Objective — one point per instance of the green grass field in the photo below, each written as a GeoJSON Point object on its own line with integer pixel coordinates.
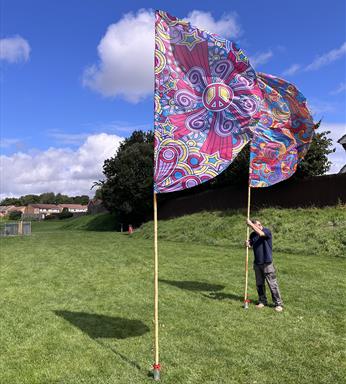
{"type": "Point", "coordinates": [77, 302]}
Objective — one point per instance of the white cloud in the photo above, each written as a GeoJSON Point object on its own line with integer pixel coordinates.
{"type": "Point", "coordinates": [7, 143]}
{"type": "Point", "coordinates": [261, 58]}
{"type": "Point", "coordinates": [338, 158]}
{"type": "Point", "coordinates": [319, 62]}
{"type": "Point", "coordinates": [57, 169]}
{"type": "Point", "coordinates": [126, 61]}
{"type": "Point", "coordinates": [341, 88]}
{"type": "Point", "coordinates": [227, 26]}
{"type": "Point", "coordinates": [327, 58]}
{"type": "Point", "coordinates": [14, 49]}
{"type": "Point", "coordinates": [294, 68]}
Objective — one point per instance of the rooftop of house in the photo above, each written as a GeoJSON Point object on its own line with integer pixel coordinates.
{"type": "Point", "coordinates": [5, 207]}
{"type": "Point", "coordinates": [95, 202]}
{"type": "Point", "coordinates": [342, 140]}
{"type": "Point", "coordinates": [73, 206]}
{"type": "Point", "coordinates": [43, 206]}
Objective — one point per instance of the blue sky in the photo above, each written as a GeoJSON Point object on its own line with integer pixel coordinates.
{"type": "Point", "coordinates": [61, 97]}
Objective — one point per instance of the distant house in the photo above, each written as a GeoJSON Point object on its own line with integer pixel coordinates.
{"type": "Point", "coordinates": [96, 206]}
{"type": "Point", "coordinates": [75, 208]}
{"type": "Point", "coordinates": [41, 210]}
{"type": "Point", "coordinates": [6, 209]}
{"type": "Point", "coordinates": [18, 209]}
{"type": "Point", "coordinates": [342, 141]}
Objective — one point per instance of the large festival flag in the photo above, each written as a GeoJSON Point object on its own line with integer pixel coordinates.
{"type": "Point", "coordinates": [283, 134]}
{"type": "Point", "coordinates": [206, 100]}
{"type": "Point", "coordinates": [281, 139]}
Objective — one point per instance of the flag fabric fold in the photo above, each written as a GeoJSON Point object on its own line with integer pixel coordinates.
{"type": "Point", "coordinates": [207, 101]}
{"type": "Point", "coordinates": [283, 134]}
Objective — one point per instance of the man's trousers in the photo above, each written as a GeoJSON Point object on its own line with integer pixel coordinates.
{"type": "Point", "coordinates": [266, 273]}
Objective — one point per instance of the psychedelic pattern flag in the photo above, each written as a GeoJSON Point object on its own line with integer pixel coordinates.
{"type": "Point", "coordinates": [207, 102]}
{"type": "Point", "coordinates": [283, 134]}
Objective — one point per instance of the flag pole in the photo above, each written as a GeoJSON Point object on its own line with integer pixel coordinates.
{"type": "Point", "coordinates": [246, 298]}
{"type": "Point", "coordinates": [156, 365]}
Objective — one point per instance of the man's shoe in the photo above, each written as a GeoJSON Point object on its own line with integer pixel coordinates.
{"type": "Point", "coordinates": [260, 306]}
{"type": "Point", "coordinates": [278, 308]}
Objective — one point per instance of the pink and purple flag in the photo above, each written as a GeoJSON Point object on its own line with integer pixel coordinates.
{"type": "Point", "coordinates": [283, 134]}
{"type": "Point", "coordinates": [207, 101]}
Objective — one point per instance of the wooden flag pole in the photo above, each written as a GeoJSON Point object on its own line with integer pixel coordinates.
{"type": "Point", "coordinates": [246, 299]}
{"type": "Point", "coordinates": [156, 366]}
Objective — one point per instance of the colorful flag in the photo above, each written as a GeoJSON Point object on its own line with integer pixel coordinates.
{"type": "Point", "coordinates": [283, 134]}
{"type": "Point", "coordinates": [206, 101]}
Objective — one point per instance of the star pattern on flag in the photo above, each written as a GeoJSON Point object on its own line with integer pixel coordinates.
{"type": "Point", "coordinates": [171, 85]}
{"type": "Point", "coordinates": [213, 159]}
{"type": "Point", "coordinates": [190, 39]}
{"type": "Point", "coordinates": [167, 128]}
{"type": "Point", "coordinates": [241, 57]}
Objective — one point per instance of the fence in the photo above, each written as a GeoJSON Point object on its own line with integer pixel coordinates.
{"type": "Point", "coordinates": [318, 191]}
{"type": "Point", "coordinates": [19, 228]}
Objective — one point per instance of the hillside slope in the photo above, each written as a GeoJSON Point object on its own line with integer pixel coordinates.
{"type": "Point", "coordinates": [307, 231]}
{"type": "Point", "coordinates": [99, 222]}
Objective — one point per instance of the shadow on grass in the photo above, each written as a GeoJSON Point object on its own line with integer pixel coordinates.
{"type": "Point", "coordinates": [99, 223]}
{"type": "Point", "coordinates": [104, 222]}
{"type": "Point", "coordinates": [212, 289]}
{"type": "Point", "coordinates": [101, 326]}
{"type": "Point", "coordinates": [224, 296]}
{"type": "Point", "coordinates": [194, 285]}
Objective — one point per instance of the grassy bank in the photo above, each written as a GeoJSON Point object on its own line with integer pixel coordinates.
{"type": "Point", "coordinates": [100, 222]}
{"type": "Point", "coordinates": [298, 231]}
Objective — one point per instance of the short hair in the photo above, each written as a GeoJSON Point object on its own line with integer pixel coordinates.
{"type": "Point", "coordinates": [254, 221]}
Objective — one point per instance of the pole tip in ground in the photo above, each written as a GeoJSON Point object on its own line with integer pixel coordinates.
{"type": "Point", "coordinates": [246, 304]}
{"type": "Point", "coordinates": [156, 372]}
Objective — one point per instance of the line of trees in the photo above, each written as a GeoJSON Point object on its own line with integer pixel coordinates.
{"type": "Point", "coordinates": [45, 198]}
{"type": "Point", "coordinates": [127, 190]}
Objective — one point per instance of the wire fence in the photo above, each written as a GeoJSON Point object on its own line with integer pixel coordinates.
{"type": "Point", "coordinates": [19, 228]}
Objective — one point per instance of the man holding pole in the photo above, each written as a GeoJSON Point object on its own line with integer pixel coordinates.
{"type": "Point", "coordinates": [261, 242]}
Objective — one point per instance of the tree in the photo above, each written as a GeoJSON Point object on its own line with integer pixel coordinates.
{"type": "Point", "coordinates": [65, 214]}
{"type": "Point", "coordinates": [83, 199]}
{"type": "Point", "coordinates": [316, 160]}
{"type": "Point", "coordinates": [15, 215]}
{"type": "Point", "coordinates": [29, 199]}
{"type": "Point", "coordinates": [47, 198]}
{"type": "Point", "coordinates": [98, 193]}
{"type": "Point", "coordinates": [128, 187]}
{"type": "Point", "coordinates": [10, 201]}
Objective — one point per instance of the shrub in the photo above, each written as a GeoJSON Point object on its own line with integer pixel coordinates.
{"type": "Point", "coordinates": [15, 215]}
{"type": "Point", "coordinates": [53, 216]}
{"type": "Point", "coordinates": [65, 214]}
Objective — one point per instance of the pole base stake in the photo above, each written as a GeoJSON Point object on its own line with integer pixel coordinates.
{"type": "Point", "coordinates": [246, 304]}
{"type": "Point", "coordinates": [156, 372]}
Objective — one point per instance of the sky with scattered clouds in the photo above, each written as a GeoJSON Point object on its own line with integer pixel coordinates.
{"type": "Point", "coordinates": [76, 76]}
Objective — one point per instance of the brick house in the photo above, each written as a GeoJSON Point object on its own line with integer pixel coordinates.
{"type": "Point", "coordinates": [41, 210]}
{"type": "Point", "coordinates": [96, 206]}
{"type": "Point", "coordinates": [6, 209]}
{"type": "Point", "coordinates": [75, 208]}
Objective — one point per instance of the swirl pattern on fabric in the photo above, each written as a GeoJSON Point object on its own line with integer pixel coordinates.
{"type": "Point", "coordinates": [283, 134]}
{"type": "Point", "coordinates": [207, 101]}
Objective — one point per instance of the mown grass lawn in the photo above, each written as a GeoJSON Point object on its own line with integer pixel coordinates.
{"type": "Point", "coordinates": [76, 307]}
